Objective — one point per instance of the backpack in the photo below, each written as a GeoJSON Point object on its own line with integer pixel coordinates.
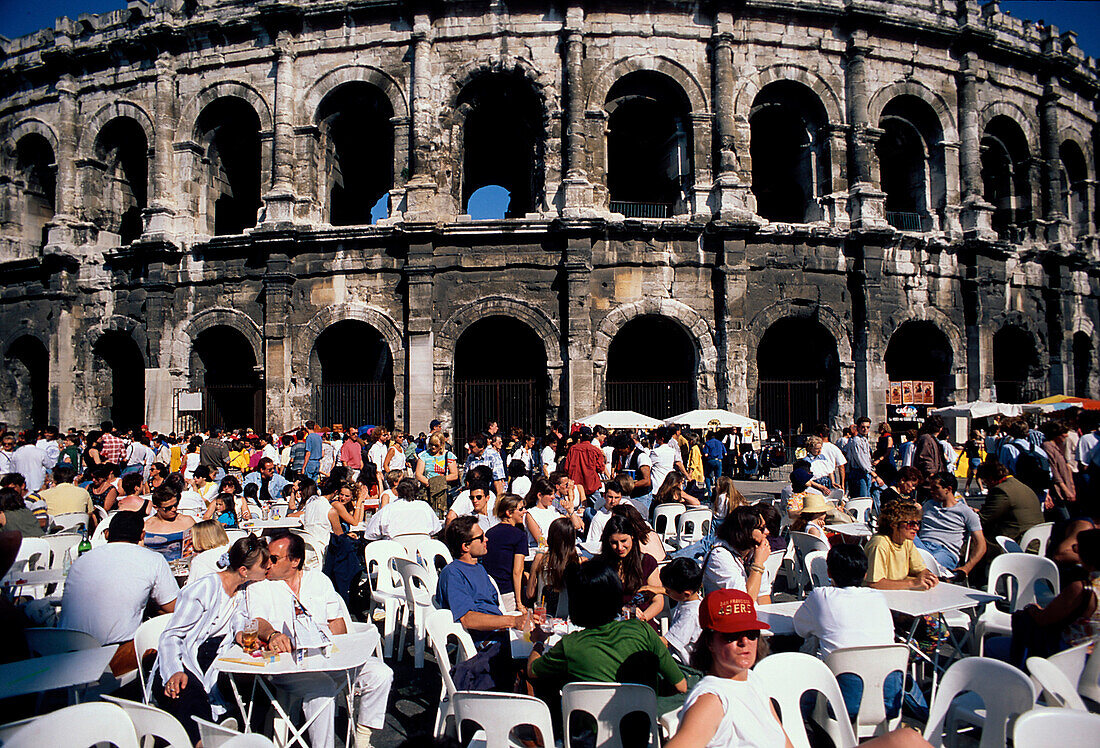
{"type": "Point", "coordinates": [1033, 468]}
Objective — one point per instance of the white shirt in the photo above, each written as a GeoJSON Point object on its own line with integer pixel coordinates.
{"type": "Point", "coordinates": [138, 454]}
{"type": "Point", "coordinates": [271, 452]}
{"type": "Point", "coordinates": [315, 519]}
{"type": "Point", "coordinates": [747, 719]}
{"type": "Point", "coordinates": [543, 517]}
{"type": "Point", "coordinates": [548, 461]}
{"type": "Point", "coordinates": [725, 571]}
{"type": "Point", "coordinates": [462, 504]}
{"type": "Point", "coordinates": [662, 460]}
{"type": "Point", "coordinates": [32, 463]}
{"type": "Point", "coordinates": [192, 504]}
{"type": "Point", "coordinates": [401, 517]}
{"type": "Point", "coordinates": [595, 528]}
{"type": "Point", "coordinates": [521, 486]}
{"type": "Point", "coordinates": [273, 601]}
{"type": "Point", "coordinates": [52, 449]}
{"type": "Point", "coordinates": [684, 629]}
{"type": "Point", "coordinates": [845, 617]}
{"type": "Point", "coordinates": [205, 562]}
{"type": "Point", "coordinates": [377, 455]}
{"type": "Point", "coordinates": [833, 454]}
{"type": "Point", "coordinates": [133, 574]}
{"type": "Point", "coordinates": [1085, 446]}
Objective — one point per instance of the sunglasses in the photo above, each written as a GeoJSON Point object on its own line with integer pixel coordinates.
{"type": "Point", "coordinates": [736, 636]}
{"type": "Point", "coordinates": [477, 537]}
{"type": "Point", "coordinates": [910, 523]}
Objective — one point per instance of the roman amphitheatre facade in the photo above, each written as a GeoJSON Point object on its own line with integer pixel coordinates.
{"type": "Point", "coordinates": [776, 207]}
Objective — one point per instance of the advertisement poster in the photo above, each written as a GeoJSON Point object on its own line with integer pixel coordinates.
{"type": "Point", "coordinates": [907, 393]}
{"type": "Point", "coordinates": [895, 394]}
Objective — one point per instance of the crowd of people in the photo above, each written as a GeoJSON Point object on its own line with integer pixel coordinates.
{"type": "Point", "coordinates": [562, 522]}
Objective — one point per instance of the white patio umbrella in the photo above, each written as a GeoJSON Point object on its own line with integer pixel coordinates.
{"type": "Point", "coordinates": [620, 419]}
{"type": "Point", "coordinates": [978, 409]}
{"type": "Point", "coordinates": [714, 418]}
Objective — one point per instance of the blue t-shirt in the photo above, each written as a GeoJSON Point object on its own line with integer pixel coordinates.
{"type": "Point", "coordinates": [464, 587]}
{"type": "Point", "coordinates": [714, 449]}
{"type": "Point", "coordinates": [505, 541]}
{"type": "Point", "coordinates": [314, 446]}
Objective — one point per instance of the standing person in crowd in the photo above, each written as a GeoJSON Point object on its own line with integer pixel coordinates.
{"type": "Point", "coordinates": [834, 456]}
{"type": "Point", "coordinates": [893, 562]}
{"type": "Point", "coordinates": [714, 451]}
{"type": "Point", "coordinates": [585, 464]}
{"type": "Point", "coordinates": [863, 479]}
{"type": "Point", "coordinates": [191, 460]}
{"type": "Point", "coordinates": [297, 457]}
{"type": "Point", "coordinates": [612, 495]}
{"type": "Point", "coordinates": [436, 466]}
{"type": "Point", "coordinates": [665, 457]}
{"type": "Point", "coordinates": [907, 448]}
{"type": "Point", "coordinates": [111, 448]}
{"type": "Point", "coordinates": [395, 455]}
{"type": "Point", "coordinates": [549, 454]}
{"type": "Point", "coordinates": [1010, 508]}
{"type": "Point", "coordinates": [632, 458]}
{"type": "Point", "coordinates": [507, 551]}
{"type": "Point", "coordinates": [973, 451]}
{"type": "Point", "coordinates": [314, 451]}
{"type": "Point", "coordinates": [214, 455]}
{"type": "Point", "coordinates": [346, 506]}
{"type": "Point", "coordinates": [946, 526]}
{"type": "Point", "coordinates": [737, 558]}
{"type": "Point", "coordinates": [549, 566]}
{"type": "Point", "coordinates": [351, 453]}
{"type": "Point", "coordinates": [31, 462]}
{"type": "Point", "coordinates": [884, 458]}
{"type": "Point", "coordinates": [540, 511]}
{"type": "Point", "coordinates": [525, 452]}
{"type": "Point", "coordinates": [621, 549]}
{"type": "Point", "coordinates": [480, 454]}
{"type": "Point", "coordinates": [1063, 493]}
{"type": "Point", "coordinates": [378, 452]}
{"type": "Point", "coordinates": [168, 532]}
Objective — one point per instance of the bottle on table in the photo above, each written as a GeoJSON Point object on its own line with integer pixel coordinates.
{"type": "Point", "coordinates": [85, 544]}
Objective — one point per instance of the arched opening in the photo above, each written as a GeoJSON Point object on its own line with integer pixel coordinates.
{"type": "Point", "coordinates": [36, 168]}
{"type": "Point", "coordinates": [790, 157]}
{"type": "Point", "coordinates": [1017, 372]}
{"type": "Point", "coordinates": [1075, 187]}
{"type": "Point", "coordinates": [919, 351]}
{"type": "Point", "coordinates": [352, 371]}
{"type": "Point", "coordinates": [120, 379]}
{"type": "Point", "coordinates": [224, 368]}
{"type": "Point", "coordinates": [500, 375]}
{"type": "Point", "coordinates": [119, 179]}
{"type": "Point", "coordinates": [28, 365]}
{"type": "Point", "coordinates": [1083, 361]}
{"type": "Point", "coordinates": [229, 134]}
{"type": "Point", "coordinates": [1005, 179]}
{"type": "Point", "coordinates": [799, 372]}
{"type": "Point", "coordinates": [652, 368]}
{"type": "Point", "coordinates": [502, 140]}
{"type": "Point", "coordinates": [357, 139]}
{"type": "Point", "coordinates": [911, 164]}
{"type": "Point", "coordinates": [649, 148]}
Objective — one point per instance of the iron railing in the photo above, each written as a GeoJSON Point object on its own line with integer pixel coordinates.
{"type": "Point", "coordinates": [509, 402]}
{"type": "Point", "coordinates": [654, 399]}
{"type": "Point", "coordinates": [909, 221]}
{"type": "Point", "coordinates": [641, 210]}
{"type": "Point", "coordinates": [793, 406]}
{"type": "Point", "coordinates": [233, 406]}
{"type": "Point", "coordinates": [353, 403]}
{"type": "Point", "coordinates": [1019, 390]}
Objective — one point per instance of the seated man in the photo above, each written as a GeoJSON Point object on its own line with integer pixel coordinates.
{"type": "Point", "coordinates": [405, 515]}
{"type": "Point", "coordinates": [270, 484]}
{"type": "Point", "coordinates": [290, 588]}
{"type": "Point", "coordinates": [1010, 508]}
{"type": "Point", "coordinates": [612, 495]}
{"type": "Point", "coordinates": [134, 575]}
{"type": "Point", "coordinates": [476, 503]}
{"type": "Point", "coordinates": [945, 525]}
{"type": "Point", "coordinates": [66, 497]}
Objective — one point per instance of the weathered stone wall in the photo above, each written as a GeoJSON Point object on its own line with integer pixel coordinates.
{"type": "Point", "coordinates": [570, 269]}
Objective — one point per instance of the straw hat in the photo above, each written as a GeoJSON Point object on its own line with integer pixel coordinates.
{"type": "Point", "coordinates": [813, 503]}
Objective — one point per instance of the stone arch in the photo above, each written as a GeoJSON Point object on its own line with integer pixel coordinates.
{"type": "Point", "coordinates": [943, 323]}
{"type": "Point", "coordinates": [189, 119]}
{"type": "Point", "coordinates": [376, 318]}
{"type": "Point", "coordinates": [32, 125]}
{"type": "Point", "coordinates": [117, 323]}
{"type": "Point", "coordinates": [1024, 322]}
{"type": "Point", "coordinates": [23, 329]}
{"type": "Point", "coordinates": [333, 79]}
{"type": "Point", "coordinates": [541, 83]}
{"type": "Point", "coordinates": [1075, 136]}
{"type": "Point", "coordinates": [214, 317]}
{"type": "Point", "coordinates": [96, 122]}
{"type": "Point", "coordinates": [884, 95]}
{"type": "Point", "coordinates": [1081, 325]}
{"type": "Point", "coordinates": [607, 77]}
{"type": "Point", "coordinates": [1037, 370]}
{"type": "Point", "coordinates": [753, 85]}
{"type": "Point", "coordinates": [1017, 114]}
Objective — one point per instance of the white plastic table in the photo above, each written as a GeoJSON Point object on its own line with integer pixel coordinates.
{"type": "Point", "coordinates": [940, 599]}
{"type": "Point", "coordinates": [780, 616]}
{"type": "Point", "coordinates": [521, 646]}
{"type": "Point", "coordinates": [66, 670]}
{"type": "Point", "coordinates": [851, 529]}
{"type": "Point", "coordinates": [33, 578]}
{"type": "Point", "coordinates": [283, 523]}
{"type": "Point", "coordinates": [349, 652]}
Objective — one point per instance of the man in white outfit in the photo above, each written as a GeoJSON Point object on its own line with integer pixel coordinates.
{"type": "Point", "coordinates": [289, 586]}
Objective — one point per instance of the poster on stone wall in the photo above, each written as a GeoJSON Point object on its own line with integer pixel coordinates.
{"type": "Point", "coordinates": [894, 397]}
{"type": "Point", "coordinates": [907, 393]}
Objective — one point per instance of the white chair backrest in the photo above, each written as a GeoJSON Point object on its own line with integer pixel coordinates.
{"type": "Point", "coordinates": [60, 544]}
{"type": "Point", "coordinates": [805, 543]}
{"type": "Point", "coordinates": [147, 637]}
{"type": "Point", "coordinates": [1039, 534]}
{"type": "Point", "coordinates": [665, 521]}
{"type": "Point", "coordinates": [79, 726]}
{"type": "Point", "coordinates": [378, 555]}
{"type": "Point", "coordinates": [860, 509]}
{"type": "Point", "coordinates": [872, 665]}
{"type": "Point", "coordinates": [1072, 661]}
{"type": "Point", "coordinates": [214, 735]}
{"type": "Point", "coordinates": [33, 554]}
{"type": "Point", "coordinates": [70, 520]}
{"type": "Point", "coordinates": [441, 627]}
{"type": "Point", "coordinates": [99, 537]}
{"type": "Point", "coordinates": [694, 525]}
{"type": "Point", "coordinates": [817, 565]}
{"type": "Point", "coordinates": [1088, 685]}
{"type": "Point", "coordinates": [1008, 545]}
{"type": "Point", "coordinates": [1022, 571]}
{"type": "Point", "coordinates": [1004, 690]}
{"type": "Point", "coordinates": [931, 563]}
{"type": "Point", "coordinates": [432, 555]}
{"type": "Point", "coordinates": [1056, 728]}
{"type": "Point", "coordinates": [1057, 688]}
{"type": "Point", "coordinates": [773, 564]}
{"type": "Point", "coordinates": [784, 677]}
{"type": "Point", "coordinates": [416, 580]}
{"type": "Point", "coordinates": [499, 713]}
{"type": "Point", "coordinates": [234, 534]}
{"type": "Point", "coordinates": [149, 721]}
{"type": "Point", "coordinates": [609, 703]}
{"type": "Point", "coordinates": [46, 641]}
{"type": "Point", "coordinates": [247, 740]}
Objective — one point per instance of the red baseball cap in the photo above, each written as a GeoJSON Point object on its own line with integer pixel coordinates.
{"type": "Point", "coordinates": [729, 611]}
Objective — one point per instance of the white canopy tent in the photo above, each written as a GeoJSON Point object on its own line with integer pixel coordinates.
{"type": "Point", "coordinates": [978, 409]}
{"type": "Point", "coordinates": [714, 418]}
{"type": "Point", "coordinates": [620, 419]}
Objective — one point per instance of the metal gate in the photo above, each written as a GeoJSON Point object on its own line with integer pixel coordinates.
{"type": "Point", "coordinates": [233, 406]}
{"type": "Point", "coordinates": [353, 403]}
{"type": "Point", "coordinates": [509, 402]}
{"type": "Point", "coordinates": [793, 406]}
{"type": "Point", "coordinates": [654, 399]}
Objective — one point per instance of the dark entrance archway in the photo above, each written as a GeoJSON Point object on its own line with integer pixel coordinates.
{"type": "Point", "coordinates": [124, 380]}
{"type": "Point", "coordinates": [652, 366]}
{"type": "Point", "coordinates": [918, 350]}
{"type": "Point", "coordinates": [224, 367]}
{"type": "Point", "coordinates": [28, 365]}
{"type": "Point", "coordinates": [1017, 375]}
{"type": "Point", "coordinates": [799, 373]}
{"type": "Point", "coordinates": [352, 370]}
{"type": "Point", "coordinates": [1083, 358]}
{"type": "Point", "coordinates": [500, 375]}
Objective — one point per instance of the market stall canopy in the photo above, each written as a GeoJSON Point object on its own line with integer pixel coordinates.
{"type": "Point", "coordinates": [620, 419]}
{"type": "Point", "coordinates": [1069, 402]}
{"type": "Point", "coordinates": [978, 409]}
{"type": "Point", "coordinates": [714, 418]}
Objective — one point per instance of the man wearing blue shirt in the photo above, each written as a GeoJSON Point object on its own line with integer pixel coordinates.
{"type": "Point", "coordinates": [713, 453]}
{"type": "Point", "coordinates": [269, 482]}
{"type": "Point", "coordinates": [480, 454]}
{"type": "Point", "coordinates": [313, 451]}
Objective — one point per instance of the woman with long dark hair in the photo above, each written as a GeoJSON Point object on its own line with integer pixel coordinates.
{"type": "Point", "coordinates": [622, 550]}
{"type": "Point", "coordinates": [550, 565]}
{"type": "Point", "coordinates": [736, 560]}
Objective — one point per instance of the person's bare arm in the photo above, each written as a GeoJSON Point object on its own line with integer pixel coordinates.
{"type": "Point", "coordinates": [978, 548]}
{"type": "Point", "coordinates": [1061, 609]}
{"type": "Point", "coordinates": [452, 471]}
{"type": "Point", "coordinates": [658, 603]}
{"type": "Point", "coordinates": [338, 626]}
{"type": "Point", "coordinates": [168, 607]}
{"type": "Point", "coordinates": [533, 577]}
{"type": "Point", "coordinates": [646, 481]}
{"type": "Point", "coordinates": [699, 724]}
{"type": "Point", "coordinates": [533, 528]}
{"type": "Point", "coordinates": [517, 579]}
{"type": "Point", "coordinates": [475, 621]}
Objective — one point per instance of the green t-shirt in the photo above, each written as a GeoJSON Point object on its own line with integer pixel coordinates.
{"type": "Point", "coordinates": [617, 652]}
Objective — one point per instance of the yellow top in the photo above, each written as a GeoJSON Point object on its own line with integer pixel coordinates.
{"type": "Point", "coordinates": [695, 465]}
{"type": "Point", "coordinates": [887, 560]}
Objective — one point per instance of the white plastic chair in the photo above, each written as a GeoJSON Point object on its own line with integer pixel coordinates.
{"type": "Point", "coordinates": [47, 641]}
{"type": "Point", "coordinates": [609, 704]}
{"type": "Point", "coordinates": [1056, 687]}
{"type": "Point", "coordinates": [665, 522]}
{"type": "Point", "coordinates": [804, 543]}
{"type": "Point", "coordinates": [1021, 572]}
{"type": "Point", "coordinates": [1056, 728]}
{"type": "Point", "coordinates": [419, 589]}
{"type": "Point", "coordinates": [151, 722]}
{"type": "Point", "coordinates": [860, 509]}
{"type": "Point", "coordinates": [33, 555]}
{"type": "Point", "coordinates": [441, 626]}
{"type": "Point", "coordinates": [497, 714]}
{"type": "Point", "coordinates": [387, 591]}
{"type": "Point", "coordinates": [774, 563]}
{"type": "Point", "coordinates": [79, 726]}
{"type": "Point", "coordinates": [247, 740]}
{"type": "Point", "coordinates": [1039, 533]}
{"type": "Point", "coordinates": [146, 638]}
{"type": "Point", "coordinates": [932, 564]}
{"type": "Point", "coordinates": [214, 735]}
{"type": "Point", "coordinates": [1003, 690]}
{"type": "Point", "coordinates": [1088, 685]}
{"type": "Point", "coordinates": [1008, 545]}
{"type": "Point", "coordinates": [61, 544]}
{"type": "Point", "coordinates": [785, 677]}
{"type": "Point", "coordinates": [430, 552]}
{"type": "Point", "coordinates": [817, 566]}
{"type": "Point", "coordinates": [99, 537]}
{"type": "Point", "coordinates": [70, 520]}
{"type": "Point", "coordinates": [694, 526]}
{"type": "Point", "coordinates": [872, 665]}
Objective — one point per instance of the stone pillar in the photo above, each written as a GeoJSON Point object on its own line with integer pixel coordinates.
{"type": "Point", "coordinates": [576, 190]}
{"type": "Point", "coordinates": [977, 215]}
{"type": "Point", "coordinates": [278, 282]}
{"type": "Point", "coordinates": [279, 200]}
{"type": "Point", "coordinates": [158, 216]}
{"type": "Point", "coordinates": [866, 201]}
{"type": "Point", "coordinates": [67, 200]}
{"type": "Point", "coordinates": [160, 380]}
{"type": "Point", "coordinates": [1059, 229]}
{"type": "Point", "coordinates": [420, 406]}
{"type": "Point", "coordinates": [582, 398]}
{"type": "Point", "coordinates": [731, 196]}
{"type": "Point", "coordinates": [835, 204]}
{"type": "Point", "coordinates": [734, 353]}
{"type": "Point", "coordinates": [420, 190]}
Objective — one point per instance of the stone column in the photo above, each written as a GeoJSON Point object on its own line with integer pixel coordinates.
{"type": "Point", "coordinates": [420, 190]}
{"type": "Point", "coordinates": [577, 321]}
{"type": "Point", "coordinates": [279, 200]}
{"type": "Point", "coordinates": [576, 190]}
{"type": "Point", "coordinates": [735, 355]}
{"type": "Point", "coordinates": [420, 406]}
{"type": "Point", "coordinates": [278, 282]}
{"type": "Point", "coordinates": [160, 380]}
{"type": "Point", "coordinates": [866, 201]}
{"type": "Point", "coordinates": [158, 216]}
{"type": "Point", "coordinates": [730, 193]}
{"type": "Point", "coordinates": [1054, 207]}
{"type": "Point", "coordinates": [977, 215]}
{"type": "Point", "coordinates": [67, 199]}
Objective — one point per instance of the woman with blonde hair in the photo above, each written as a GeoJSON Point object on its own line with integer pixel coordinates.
{"type": "Point", "coordinates": [210, 541]}
{"type": "Point", "coordinates": [726, 499]}
{"type": "Point", "coordinates": [436, 466]}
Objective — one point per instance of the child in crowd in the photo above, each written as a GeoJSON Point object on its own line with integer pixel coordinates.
{"type": "Point", "coordinates": [682, 580]}
{"type": "Point", "coordinates": [221, 509]}
{"type": "Point", "coordinates": [393, 477]}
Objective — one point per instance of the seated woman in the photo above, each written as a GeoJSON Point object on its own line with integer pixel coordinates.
{"type": "Point", "coordinates": [131, 499]}
{"type": "Point", "coordinates": [672, 492]}
{"type": "Point", "coordinates": [209, 541]}
{"type": "Point", "coordinates": [102, 489]}
{"type": "Point", "coordinates": [651, 542]}
{"type": "Point", "coordinates": [207, 616]}
{"type": "Point", "coordinates": [621, 550]}
{"type": "Point", "coordinates": [168, 532]}
{"type": "Point", "coordinates": [345, 508]}
{"type": "Point", "coordinates": [550, 566]}
{"type": "Point", "coordinates": [903, 489]}
{"type": "Point", "coordinates": [893, 562]}
{"type": "Point", "coordinates": [1062, 548]}
{"type": "Point", "coordinates": [726, 498]}
{"type": "Point", "coordinates": [736, 561]}
{"type": "Point", "coordinates": [727, 709]}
